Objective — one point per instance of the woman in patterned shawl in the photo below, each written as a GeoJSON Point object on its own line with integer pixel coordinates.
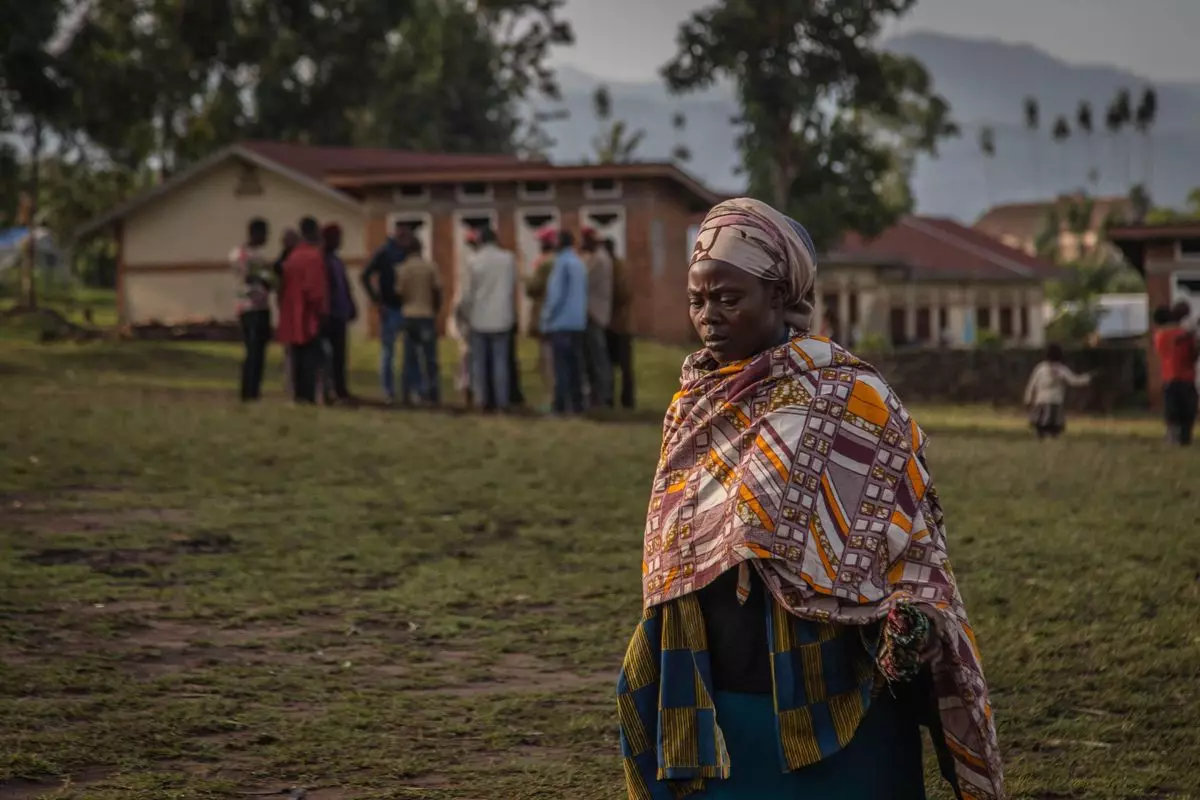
{"type": "Point", "coordinates": [801, 616]}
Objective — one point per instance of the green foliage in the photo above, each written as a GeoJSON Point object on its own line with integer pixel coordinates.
{"type": "Point", "coordinates": [873, 343]}
{"type": "Point", "coordinates": [1076, 299]}
{"type": "Point", "coordinates": [988, 339]}
{"type": "Point", "coordinates": [615, 143]}
{"type": "Point", "coordinates": [133, 90]}
{"type": "Point", "coordinates": [1189, 213]}
{"type": "Point", "coordinates": [829, 124]}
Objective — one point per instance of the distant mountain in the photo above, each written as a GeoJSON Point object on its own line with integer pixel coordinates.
{"type": "Point", "coordinates": [710, 132]}
{"type": "Point", "coordinates": [986, 82]}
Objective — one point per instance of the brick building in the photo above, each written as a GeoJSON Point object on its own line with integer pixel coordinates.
{"type": "Point", "coordinates": [174, 240]}
{"type": "Point", "coordinates": [1168, 256]}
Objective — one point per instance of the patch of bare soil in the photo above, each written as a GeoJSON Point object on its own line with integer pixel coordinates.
{"type": "Point", "coordinates": [132, 562]}
{"type": "Point", "coordinates": [23, 789]}
{"type": "Point", "coordinates": [34, 515]}
{"type": "Point", "coordinates": [115, 562]}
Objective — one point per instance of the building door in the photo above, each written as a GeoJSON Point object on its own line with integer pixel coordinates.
{"type": "Point", "coordinates": [529, 222]}
{"type": "Point", "coordinates": [609, 222]}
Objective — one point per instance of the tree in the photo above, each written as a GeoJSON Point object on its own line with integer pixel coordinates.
{"type": "Point", "coordinates": [1032, 123]}
{"type": "Point", "coordinates": [1140, 203]}
{"type": "Point", "coordinates": [32, 87]}
{"type": "Point", "coordinates": [1143, 121]}
{"type": "Point", "coordinates": [1189, 213]}
{"type": "Point", "coordinates": [817, 100]}
{"type": "Point", "coordinates": [614, 144]}
{"type": "Point", "coordinates": [1085, 125]}
{"type": "Point", "coordinates": [987, 146]}
{"type": "Point", "coordinates": [168, 81]}
{"type": "Point", "coordinates": [1116, 118]}
{"type": "Point", "coordinates": [1060, 133]}
{"type": "Point", "coordinates": [680, 152]}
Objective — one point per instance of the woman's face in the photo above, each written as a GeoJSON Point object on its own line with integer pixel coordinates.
{"type": "Point", "coordinates": [736, 314]}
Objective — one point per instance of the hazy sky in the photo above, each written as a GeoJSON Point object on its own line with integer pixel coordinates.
{"type": "Point", "coordinates": [1157, 39]}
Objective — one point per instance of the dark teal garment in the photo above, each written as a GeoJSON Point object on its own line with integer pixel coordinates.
{"type": "Point", "coordinates": [882, 761]}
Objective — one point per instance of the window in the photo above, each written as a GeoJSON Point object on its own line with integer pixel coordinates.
{"type": "Point", "coordinates": [602, 189]}
{"type": "Point", "coordinates": [410, 193]}
{"type": "Point", "coordinates": [474, 192]}
{"type": "Point", "coordinates": [854, 308]}
{"type": "Point", "coordinates": [924, 325]}
{"type": "Point", "coordinates": [536, 190]}
{"type": "Point", "coordinates": [943, 321]}
{"type": "Point", "coordinates": [1024, 315]}
{"type": "Point", "coordinates": [1006, 322]}
{"type": "Point", "coordinates": [1189, 249]}
{"type": "Point", "coordinates": [983, 318]}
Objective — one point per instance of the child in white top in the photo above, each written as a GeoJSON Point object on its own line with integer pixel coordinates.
{"type": "Point", "coordinates": [1046, 392]}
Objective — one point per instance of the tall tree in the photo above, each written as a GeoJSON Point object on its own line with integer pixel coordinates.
{"type": "Point", "coordinates": [33, 89]}
{"type": "Point", "coordinates": [1060, 133]}
{"type": "Point", "coordinates": [178, 78]}
{"type": "Point", "coordinates": [1140, 203]}
{"type": "Point", "coordinates": [1033, 115]}
{"type": "Point", "coordinates": [1118, 116]}
{"type": "Point", "coordinates": [680, 153]}
{"type": "Point", "coordinates": [1143, 121]}
{"type": "Point", "coordinates": [1085, 124]}
{"type": "Point", "coordinates": [987, 147]}
{"type": "Point", "coordinates": [615, 143]}
{"type": "Point", "coordinates": [818, 100]}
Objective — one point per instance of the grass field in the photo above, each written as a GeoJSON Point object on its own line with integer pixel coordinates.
{"type": "Point", "coordinates": [201, 600]}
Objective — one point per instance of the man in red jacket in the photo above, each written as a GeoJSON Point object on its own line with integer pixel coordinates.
{"type": "Point", "coordinates": [304, 309]}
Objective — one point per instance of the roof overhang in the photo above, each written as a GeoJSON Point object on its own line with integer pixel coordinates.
{"type": "Point", "coordinates": [199, 169]}
{"type": "Point", "coordinates": [531, 170]}
{"type": "Point", "coordinates": [1131, 240]}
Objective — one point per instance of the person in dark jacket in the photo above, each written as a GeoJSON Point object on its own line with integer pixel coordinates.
{"type": "Point", "coordinates": [342, 310]}
{"type": "Point", "coordinates": [379, 281]}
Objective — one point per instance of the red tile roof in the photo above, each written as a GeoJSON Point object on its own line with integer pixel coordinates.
{"type": "Point", "coordinates": [934, 248]}
{"type": "Point", "coordinates": [317, 162]}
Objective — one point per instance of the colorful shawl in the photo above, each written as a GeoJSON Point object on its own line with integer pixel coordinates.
{"type": "Point", "coordinates": [803, 463]}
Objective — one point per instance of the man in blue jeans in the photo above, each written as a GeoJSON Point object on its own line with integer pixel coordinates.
{"type": "Point", "coordinates": [488, 305]}
{"type": "Point", "coordinates": [564, 321]}
{"type": "Point", "coordinates": [379, 281]}
{"type": "Point", "coordinates": [419, 284]}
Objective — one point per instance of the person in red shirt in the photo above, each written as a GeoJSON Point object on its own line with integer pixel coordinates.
{"type": "Point", "coordinates": [304, 309]}
{"type": "Point", "coordinates": [1177, 353]}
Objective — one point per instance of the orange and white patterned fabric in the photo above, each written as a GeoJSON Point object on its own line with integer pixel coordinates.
{"type": "Point", "coordinates": [802, 462]}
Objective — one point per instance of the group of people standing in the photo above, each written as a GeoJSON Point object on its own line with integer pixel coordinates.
{"type": "Point", "coordinates": [316, 307]}
{"type": "Point", "coordinates": [580, 312]}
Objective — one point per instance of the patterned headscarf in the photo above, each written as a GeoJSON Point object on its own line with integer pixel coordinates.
{"type": "Point", "coordinates": [754, 237]}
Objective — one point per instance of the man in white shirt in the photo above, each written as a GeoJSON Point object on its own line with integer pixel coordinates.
{"type": "Point", "coordinates": [488, 306]}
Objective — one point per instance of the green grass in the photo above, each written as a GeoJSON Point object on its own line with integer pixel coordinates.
{"type": "Point", "coordinates": [202, 600]}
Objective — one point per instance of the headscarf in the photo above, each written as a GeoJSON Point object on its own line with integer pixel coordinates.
{"type": "Point", "coordinates": [802, 464]}
{"type": "Point", "coordinates": [752, 236]}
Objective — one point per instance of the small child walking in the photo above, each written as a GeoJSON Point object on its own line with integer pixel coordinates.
{"type": "Point", "coordinates": [1046, 392]}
